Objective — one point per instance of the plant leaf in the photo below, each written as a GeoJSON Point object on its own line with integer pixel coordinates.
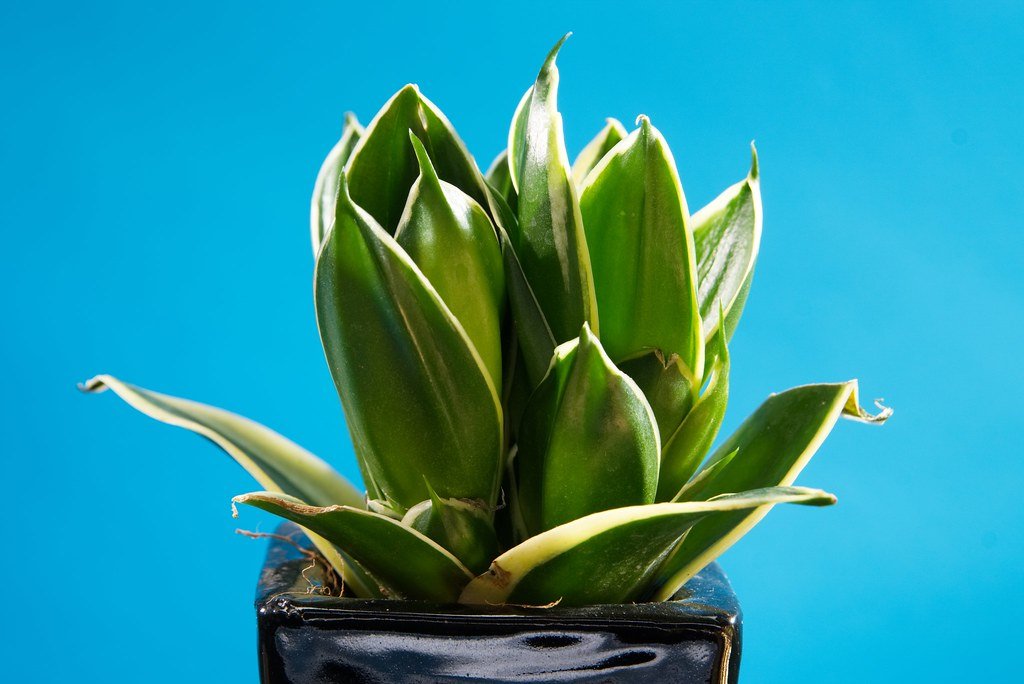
{"type": "Point", "coordinates": [668, 390]}
{"type": "Point", "coordinates": [383, 166]}
{"type": "Point", "coordinates": [773, 445]}
{"type": "Point", "coordinates": [499, 178]}
{"type": "Point", "coordinates": [708, 471]}
{"type": "Point", "coordinates": [727, 234]}
{"type": "Point", "coordinates": [452, 241]}
{"type": "Point", "coordinates": [608, 557]}
{"type": "Point", "coordinates": [461, 526]}
{"type": "Point", "coordinates": [690, 441]}
{"type": "Point", "coordinates": [273, 461]}
{"type": "Point", "coordinates": [611, 135]}
{"type": "Point", "coordinates": [426, 406]}
{"type": "Point", "coordinates": [532, 329]}
{"type": "Point", "coordinates": [551, 247]}
{"type": "Point", "coordinates": [642, 252]}
{"type": "Point", "coordinates": [587, 440]}
{"type": "Point", "coordinates": [536, 340]}
{"type": "Point", "coordinates": [407, 563]}
{"type": "Point", "coordinates": [325, 190]}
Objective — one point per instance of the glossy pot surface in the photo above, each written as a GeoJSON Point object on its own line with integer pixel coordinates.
{"type": "Point", "coordinates": [307, 638]}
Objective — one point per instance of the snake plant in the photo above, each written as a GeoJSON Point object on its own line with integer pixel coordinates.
{"type": "Point", "coordinates": [533, 363]}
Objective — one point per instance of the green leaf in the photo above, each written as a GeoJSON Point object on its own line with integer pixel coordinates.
{"type": "Point", "coordinates": [727, 234]}
{"type": "Point", "coordinates": [383, 166]}
{"type": "Point", "coordinates": [452, 241]}
{"type": "Point", "coordinates": [418, 399]}
{"type": "Point", "coordinates": [499, 177]}
{"type": "Point", "coordinates": [587, 441]}
{"type": "Point", "coordinates": [703, 475]}
{"type": "Point", "coordinates": [668, 391]}
{"type": "Point", "coordinates": [611, 135]}
{"type": "Point", "coordinates": [608, 557]}
{"type": "Point", "coordinates": [642, 253]}
{"type": "Point", "coordinates": [773, 445]}
{"type": "Point", "coordinates": [531, 326]}
{"type": "Point", "coordinates": [462, 526]}
{"type": "Point", "coordinates": [536, 340]}
{"type": "Point", "coordinates": [325, 190]}
{"type": "Point", "coordinates": [275, 462]}
{"type": "Point", "coordinates": [689, 443]}
{"type": "Point", "coordinates": [408, 564]}
{"type": "Point", "coordinates": [551, 246]}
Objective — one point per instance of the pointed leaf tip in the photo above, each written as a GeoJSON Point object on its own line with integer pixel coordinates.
{"type": "Point", "coordinates": [754, 169]}
{"type": "Point", "coordinates": [422, 158]}
{"type": "Point", "coordinates": [555, 50]}
{"type": "Point", "coordinates": [587, 441]}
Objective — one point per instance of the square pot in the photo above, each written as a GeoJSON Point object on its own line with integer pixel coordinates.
{"type": "Point", "coordinates": [306, 637]}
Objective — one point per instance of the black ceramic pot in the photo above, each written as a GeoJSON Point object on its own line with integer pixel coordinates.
{"type": "Point", "coordinates": [308, 638]}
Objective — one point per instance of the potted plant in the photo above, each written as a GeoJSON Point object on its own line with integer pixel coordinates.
{"type": "Point", "coordinates": [533, 364]}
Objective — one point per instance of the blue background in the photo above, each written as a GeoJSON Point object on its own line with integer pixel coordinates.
{"type": "Point", "coordinates": [155, 170]}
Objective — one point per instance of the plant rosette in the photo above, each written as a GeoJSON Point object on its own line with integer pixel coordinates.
{"type": "Point", "coordinates": [533, 364]}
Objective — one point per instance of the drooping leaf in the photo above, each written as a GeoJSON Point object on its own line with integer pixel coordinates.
{"type": "Point", "coordinates": [684, 450]}
{"type": "Point", "coordinates": [275, 462]}
{"type": "Point", "coordinates": [462, 526]}
{"type": "Point", "coordinates": [587, 440]}
{"type": "Point", "coordinates": [499, 177]}
{"type": "Point", "coordinates": [408, 564]}
{"type": "Point", "coordinates": [608, 557]}
{"type": "Point", "coordinates": [772, 446]}
{"type": "Point", "coordinates": [727, 234]}
{"type": "Point", "coordinates": [325, 190]}
{"type": "Point", "coordinates": [642, 252]}
{"type": "Point", "coordinates": [418, 399]}
{"type": "Point", "coordinates": [551, 246]}
{"type": "Point", "coordinates": [611, 135]}
{"type": "Point", "coordinates": [452, 241]}
{"type": "Point", "coordinates": [383, 166]}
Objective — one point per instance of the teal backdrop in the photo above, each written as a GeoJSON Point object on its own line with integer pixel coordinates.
{"type": "Point", "coordinates": [156, 162]}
